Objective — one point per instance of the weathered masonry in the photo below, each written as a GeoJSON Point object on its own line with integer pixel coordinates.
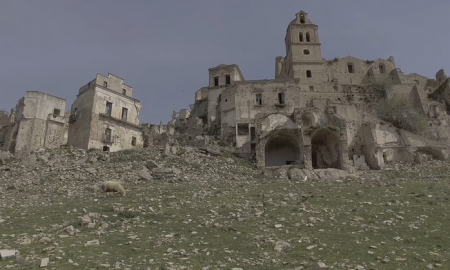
{"type": "Point", "coordinates": [314, 113]}
{"type": "Point", "coordinates": [37, 121]}
{"type": "Point", "coordinates": [105, 116]}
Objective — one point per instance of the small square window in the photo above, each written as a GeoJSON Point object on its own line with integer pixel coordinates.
{"type": "Point", "coordinates": [350, 68]}
{"type": "Point", "coordinates": [242, 129]}
{"type": "Point", "coordinates": [311, 88]}
{"type": "Point", "coordinates": [56, 111]}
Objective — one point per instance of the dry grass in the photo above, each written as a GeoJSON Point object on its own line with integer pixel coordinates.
{"type": "Point", "coordinates": [386, 220]}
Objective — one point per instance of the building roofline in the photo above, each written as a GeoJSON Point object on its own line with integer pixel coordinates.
{"type": "Point", "coordinates": [117, 93]}
{"type": "Point", "coordinates": [44, 94]}
{"type": "Point", "coordinates": [109, 90]}
{"type": "Point", "coordinates": [224, 66]}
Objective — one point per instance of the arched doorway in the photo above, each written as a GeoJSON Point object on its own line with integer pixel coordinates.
{"type": "Point", "coordinates": [281, 151]}
{"type": "Point", "coordinates": [325, 149]}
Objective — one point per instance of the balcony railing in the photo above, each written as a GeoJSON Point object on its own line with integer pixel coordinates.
{"type": "Point", "coordinates": [107, 139]}
{"type": "Point", "coordinates": [122, 120]}
{"type": "Point", "coordinates": [56, 118]}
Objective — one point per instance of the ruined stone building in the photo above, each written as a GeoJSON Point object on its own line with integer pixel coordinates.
{"type": "Point", "coordinates": [105, 116]}
{"type": "Point", "coordinates": [37, 121]}
{"type": "Point", "coordinates": [314, 112]}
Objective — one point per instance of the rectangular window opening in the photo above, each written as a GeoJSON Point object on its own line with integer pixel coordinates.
{"type": "Point", "coordinates": [216, 81]}
{"type": "Point", "coordinates": [227, 79]}
{"type": "Point", "coordinates": [108, 136]}
{"type": "Point", "coordinates": [124, 114]}
{"type": "Point", "coordinates": [108, 108]}
{"type": "Point", "coordinates": [252, 133]}
{"type": "Point", "coordinates": [253, 147]}
{"type": "Point", "coordinates": [242, 129]}
{"type": "Point", "coordinates": [133, 141]}
{"type": "Point", "coordinates": [259, 100]}
{"type": "Point", "coordinates": [124, 91]}
{"type": "Point", "coordinates": [350, 68]}
{"type": "Point", "coordinates": [281, 98]}
{"type": "Point", "coordinates": [56, 111]}
{"type": "Point", "coordinates": [105, 84]}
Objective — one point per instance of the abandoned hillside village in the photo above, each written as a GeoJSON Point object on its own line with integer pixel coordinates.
{"type": "Point", "coordinates": [315, 114]}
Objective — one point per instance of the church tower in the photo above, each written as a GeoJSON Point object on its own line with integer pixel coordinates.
{"type": "Point", "coordinates": [302, 47]}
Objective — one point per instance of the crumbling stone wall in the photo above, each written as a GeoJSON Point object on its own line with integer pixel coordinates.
{"type": "Point", "coordinates": [37, 121]}
{"type": "Point", "coordinates": [4, 118]}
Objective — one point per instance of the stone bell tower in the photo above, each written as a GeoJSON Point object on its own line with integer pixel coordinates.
{"type": "Point", "coordinates": [302, 46]}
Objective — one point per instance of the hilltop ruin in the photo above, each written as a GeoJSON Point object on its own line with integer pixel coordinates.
{"type": "Point", "coordinates": [315, 114]}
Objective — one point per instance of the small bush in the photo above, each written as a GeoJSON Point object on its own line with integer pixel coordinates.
{"type": "Point", "coordinates": [309, 131]}
{"type": "Point", "coordinates": [380, 87]}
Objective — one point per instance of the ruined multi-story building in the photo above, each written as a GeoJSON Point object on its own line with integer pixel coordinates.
{"type": "Point", "coordinates": [105, 116]}
{"type": "Point", "coordinates": [37, 121]}
{"type": "Point", "coordinates": [314, 112]}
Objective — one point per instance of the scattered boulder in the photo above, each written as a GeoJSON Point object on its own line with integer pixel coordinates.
{"type": "Point", "coordinates": [281, 246]}
{"type": "Point", "coordinates": [151, 164]}
{"type": "Point", "coordinates": [7, 253]}
{"type": "Point", "coordinates": [144, 174]}
{"type": "Point", "coordinates": [320, 266]}
{"type": "Point", "coordinates": [331, 174]}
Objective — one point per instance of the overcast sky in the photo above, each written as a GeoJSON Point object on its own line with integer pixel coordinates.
{"type": "Point", "coordinates": [163, 49]}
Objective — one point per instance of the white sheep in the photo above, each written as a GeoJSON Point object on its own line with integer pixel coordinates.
{"type": "Point", "coordinates": [112, 186]}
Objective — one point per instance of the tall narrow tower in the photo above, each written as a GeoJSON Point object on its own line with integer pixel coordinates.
{"type": "Point", "coordinates": [302, 45]}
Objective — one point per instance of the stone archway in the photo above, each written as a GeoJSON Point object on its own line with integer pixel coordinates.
{"type": "Point", "coordinates": [281, 150]}
{"type": "Point", "coordinates": [326, 150]}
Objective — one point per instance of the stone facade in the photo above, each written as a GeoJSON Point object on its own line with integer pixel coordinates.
{"type": "Point", "coordinates": [105, 116]}
{"type": "Point", "coordinates": [314, 113]}
{"type": "Point", "coordinates": [37, 121]}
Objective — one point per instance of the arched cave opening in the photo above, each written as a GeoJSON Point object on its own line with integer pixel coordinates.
{"type": "Point", "coordinates": [325, 149]}
{"type": "Point", "coordinates": [281, 151]}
